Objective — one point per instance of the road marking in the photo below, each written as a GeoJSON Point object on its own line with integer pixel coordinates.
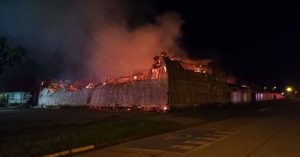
{"type": "Point", "coordinates": [185, 141]}
{"type": "Point", "coordinates": [182, 147]}
{"type": "Point", "coordinates": [205, 145]}
{"type": "Point", "coordinates": [217, 135]}
{"type": "Point", "coordinates": [175, 146]}
{"type": "Point", "coordinates": [206, 138]}
{"type": "Point", "coordinates": [265, 109]}
{"type": "Point", "coordinates": [81, 149]}
{"type": "Point", "coordinates": [141, 149]}
{"type": "Point", "coordinates": [196, 142]}
{"type": "Point", "coordinates": [177, 136]}
{"type": "Point", "coordinates": [224, 132]}
{"type": "Point", "coordinates": [62, 153]}
{"type": "Point", "coordinates": [74, 150]}
{"type": "Point", "coordinates": [188, 141]}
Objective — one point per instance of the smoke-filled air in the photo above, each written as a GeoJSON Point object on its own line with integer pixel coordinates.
{"type": "Point", "coordinates": [85, 39]}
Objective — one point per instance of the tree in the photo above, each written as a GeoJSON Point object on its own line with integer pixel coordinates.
{"type": "Point", "coordinates": [3, 100]}
{"type": "Point", "coordinates": [10, 55]}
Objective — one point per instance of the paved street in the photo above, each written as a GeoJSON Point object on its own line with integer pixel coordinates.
{"type": "Point", "coordinates": [272, 131]}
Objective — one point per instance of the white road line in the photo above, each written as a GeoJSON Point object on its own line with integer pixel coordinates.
{"type": "Point", "coordinates": [177, 136]}
{"type": "Point", "coordinates": [188, 142]}
{"type": "Point", "coordinates": [205, 145]}
{"type": "Point", "coordinates": [216, 135]}
{"type": "Point", "coordinates": [184, 147]}
{"type": "Point", "coordinates": [206, 138]}
{"type": "Point", "coordinates": [200, 142]}
{"type": "Point", "coordinates": [224, 132]}
{"type": "Point", "coordinates": [265, 109]}
{"type": "Point", "coordinates": [196, 142]}
{"type": "Point", "coordinates": [175, 146]}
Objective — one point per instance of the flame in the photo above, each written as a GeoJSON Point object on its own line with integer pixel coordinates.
{"type": "Point", "coordinates": [134, 77]}
{"type": "Point", "coordinates": [68, 85]}
{"type": "Point", "coordinates": [158, 71]}
{"type": "Point", "coordinates": [90, 85]}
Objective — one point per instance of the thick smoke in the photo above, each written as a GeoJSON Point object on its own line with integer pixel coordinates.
{"type": "Point", "coordinates": [116, 50]}
{"type": "Point", "coordinates": [84, 39]}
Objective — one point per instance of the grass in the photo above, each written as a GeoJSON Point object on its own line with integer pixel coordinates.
{"type": "Point", "coordinates": [76, 135]}
{"type": "Point", "coordinates": [36, 132]}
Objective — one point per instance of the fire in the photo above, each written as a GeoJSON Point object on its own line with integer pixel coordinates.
{"type": "Point", "coordinates": [90, 85]}
{"type": "Point", "coordinates": [66, 85]}
{"type": "Point", "coordinates": [157, 71]}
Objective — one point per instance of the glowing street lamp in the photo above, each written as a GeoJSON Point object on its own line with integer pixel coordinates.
{"type": "Point", "coordinates": [289, 89]}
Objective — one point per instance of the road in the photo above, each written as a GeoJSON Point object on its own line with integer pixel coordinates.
{"type": "Point", "coordinates": [272, 132]}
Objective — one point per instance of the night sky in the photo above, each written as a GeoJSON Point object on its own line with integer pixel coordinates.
{"type": "Point", "coordinates": [258, 42]}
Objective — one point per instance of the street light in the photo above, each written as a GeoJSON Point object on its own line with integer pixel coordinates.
{"type": "Point", "coordinates": [289, 89]}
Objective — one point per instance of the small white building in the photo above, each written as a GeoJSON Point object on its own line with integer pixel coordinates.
{"type": "Point", "coordinates": [15, 98]}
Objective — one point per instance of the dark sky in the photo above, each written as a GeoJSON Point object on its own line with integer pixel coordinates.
{"type": "Point", "coordinates": [258, 42]}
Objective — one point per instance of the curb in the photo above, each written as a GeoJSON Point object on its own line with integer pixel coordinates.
{"type": "Point", "coordinates": [71, 151]}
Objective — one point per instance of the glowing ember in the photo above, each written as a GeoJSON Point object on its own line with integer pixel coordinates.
{"type": "Point", "coordinates": [90, 86]}
{"type": "Point", "coordinates": [66, 85]}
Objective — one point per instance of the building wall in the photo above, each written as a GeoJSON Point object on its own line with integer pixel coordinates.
{"type": "Point", "coordinates": [187, 87]}
{"type": "Point", "coordinates": [268, 96]}
{"type": "Point", "coordinates": [173, 86]}
{"type": "Point", "coordinates": [17, 98]}
{"type": "Point", "coordinates": [238, 97]}
{"type": "Point", "coordinates": [63, 97]}
{"type": "Point", "coordinates": [144, 93]}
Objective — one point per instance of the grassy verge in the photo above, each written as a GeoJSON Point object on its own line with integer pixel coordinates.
{"type": "Point", "coordinates": [75, 135]}
{"type": "Point", "coordinates": [35, 132]}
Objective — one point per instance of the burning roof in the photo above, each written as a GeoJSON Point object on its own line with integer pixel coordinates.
{"type": "Point", "coordinates": [55, 85]}
{"type": "Point", "coordinates": [157, 71]}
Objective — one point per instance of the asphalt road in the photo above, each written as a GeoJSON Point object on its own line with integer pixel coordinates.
{"type": "Point", "coordinates": [271, 132]}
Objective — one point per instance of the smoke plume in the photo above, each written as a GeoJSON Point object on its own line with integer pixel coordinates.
{"type": "Point", "coordinates": [75, 39]}
{"type": "Point", "coordinates": [116, 50]}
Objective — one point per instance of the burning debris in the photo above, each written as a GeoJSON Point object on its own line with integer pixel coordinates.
{"type": "Point", "coordinates": [158, 71]}
{"type": "Point", "coordinates": [170, 83]}
{"type": "Point", "coordinates": [67, 85]}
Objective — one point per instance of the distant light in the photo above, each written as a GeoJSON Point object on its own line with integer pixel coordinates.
{"type": "Point", "coordinates": [165, 108]}
{"type": "Point", "coordinates": [265, 88]}
{"type": "Point", "coordinates": [274, 88]}
{"type": "Point", "coordinates": [282, 93]}
{"type": "Point", "coordinates": [289, 89]}
{"type": "Point", "coordinates": [165, 69]}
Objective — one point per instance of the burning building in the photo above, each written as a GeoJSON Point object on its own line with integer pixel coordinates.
{"type": "Point", "coordinates": [170, 83]}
